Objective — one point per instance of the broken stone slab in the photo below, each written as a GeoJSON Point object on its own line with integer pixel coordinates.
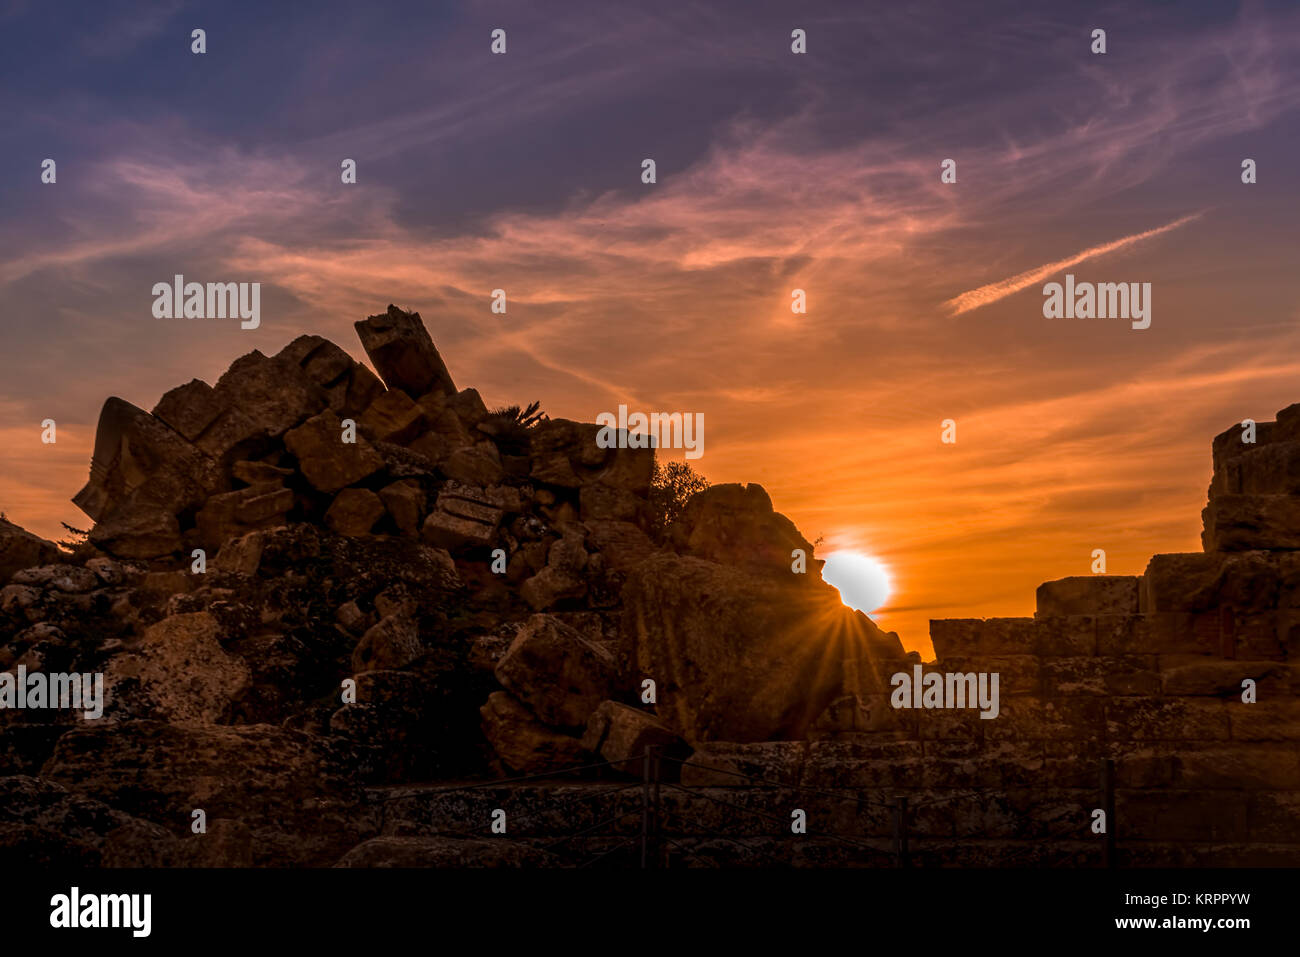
{"type": "Point", "coordinates": [274, 393]}
{"type": "Point", "coordinates": [621, 734]}
{"type": "Point", "coordinates": [136, 452]}
{"type": "Point", "coordinates": [468, 406]}
{"type": "Point", "coordinates": [328, 462]}
{"type": "Point", "coordinates": [404, 501]}
{"type": "Point", "coordinates": [463, 517]}
{"type": "Point", "coordinates": [236, 513]}
{"type": "Point", "coordinates": [403, 353]}
{"type": "Point", "coordinates": [392, 417]}
{"type": "Point", "coordinates": [557, 672]}
{"type": "Point", "coordinates": [256, 399]}
{"type": "Point", "coordinates": [563, 577]}
{"type": "Point", "coordinates": [1088, 595]}
{"type": "Point", "coordinates": [138, 528]}
{"type": "Point", "coordinates": [554, 444]}
{"type": "Point", "coordinates": [323, 362]}
{"type": "Point", "coordinates": [243, 555]}
{"type": "Point", "coordinates": [189, 408]}
{"type": "Point", "coordinates": [21, 549]}
{"type": "Point", "coordinates": [478, 464]}
{"type": "Point", "coordinates": [354, 511]}
{"type": "Point", "coordinates": [523, 743]}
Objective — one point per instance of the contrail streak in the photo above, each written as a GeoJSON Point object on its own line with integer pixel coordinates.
{"type": "Point", "coordinates": [1005, 287]}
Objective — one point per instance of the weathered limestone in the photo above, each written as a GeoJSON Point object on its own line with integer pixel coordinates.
{"type": "Point", "coordinates": [233, 514]}
{"type": "Point", "coordinates": [559, 674]}
{"type": "Point", "coordinates": [179, 672]}
{"type": "Point", "coordinates": [354, 511]}
{"type": "Point", "coordinates": [736, 525]}
{"type": "Point", "coordinates": [524, 744]}
{"type": "Point", "coordinates": [403, 354]}
{"type": "Point", "coordinates": [739, 656]}
{"type": "Point", "coordinates": [328, 462]}
{"type": "Point", "coordinates": [463, 517]}
{"type": "Point", "coordinates": [1089, 595]}
{"type": "Point", "coordinates": [20, 549]}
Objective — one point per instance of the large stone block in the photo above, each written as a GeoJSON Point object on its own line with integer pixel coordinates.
{"type": "Point", "coordinates": [557, 672]}
{"type": "Point", "coordinates": [1243, 522]}
{"type": "Point", "coordinates": [139, 462]}
{"type": "Point", "coordinates": [273, 393]}
{"type": "Point", "coordinates": [736, 525]}
{"type": "Point", "coordinates": [392, 417]}
{"type": "Point", "coordinates": [523, 743]}
{"type": "Point", "coordinates": [179, 672]}
{"type": "Point", "coordinates": [1088, 595]}
{"type": "Point", "coordinates": [328, 462]}
{"type": "Point", "coordinates": [739, 656]}
{"type": "Point", "coordinates": [1185, 582]}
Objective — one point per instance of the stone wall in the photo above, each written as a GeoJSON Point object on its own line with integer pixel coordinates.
{"type": "Point", "coordinates": [1145, 672]}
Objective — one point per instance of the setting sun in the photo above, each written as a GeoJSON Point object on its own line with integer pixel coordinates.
{"type": "Point", "coordinates": [863, 581]}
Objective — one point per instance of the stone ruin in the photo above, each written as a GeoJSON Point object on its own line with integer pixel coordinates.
{"type": "Point", "coordinates": [494, 597]}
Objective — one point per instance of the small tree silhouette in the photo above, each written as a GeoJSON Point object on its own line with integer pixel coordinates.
{"type": "Point", "coordinates": [511, 426]}
{"type": "Point", "coordinates": [78, 538]}
{"type": "Point", "coordinates": [671, 487]}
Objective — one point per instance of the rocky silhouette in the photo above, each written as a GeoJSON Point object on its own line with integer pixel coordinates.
{"type": "Point", "coordinates": [318, 596]}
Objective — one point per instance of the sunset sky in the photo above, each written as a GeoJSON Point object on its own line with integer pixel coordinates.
{"type": "Point", "coordinates": [776, 171]}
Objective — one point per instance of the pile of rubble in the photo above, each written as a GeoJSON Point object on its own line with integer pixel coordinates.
{"type": "Point", "coordinates": [309, 578]}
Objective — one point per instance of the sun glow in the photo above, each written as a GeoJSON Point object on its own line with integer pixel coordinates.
{"type": "Point", "coordinates": [863, 581]}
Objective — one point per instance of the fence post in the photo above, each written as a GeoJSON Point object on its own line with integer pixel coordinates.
{"type": "Point", "coordinates": [656, 823]}
{"type": "Point", "coordinates": [1108, 805]}
{"type": "Point", "coordinates": [900, 833]}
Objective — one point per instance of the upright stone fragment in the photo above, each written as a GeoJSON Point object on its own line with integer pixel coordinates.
{"type": "Point", "coordinates": [403, 353]}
